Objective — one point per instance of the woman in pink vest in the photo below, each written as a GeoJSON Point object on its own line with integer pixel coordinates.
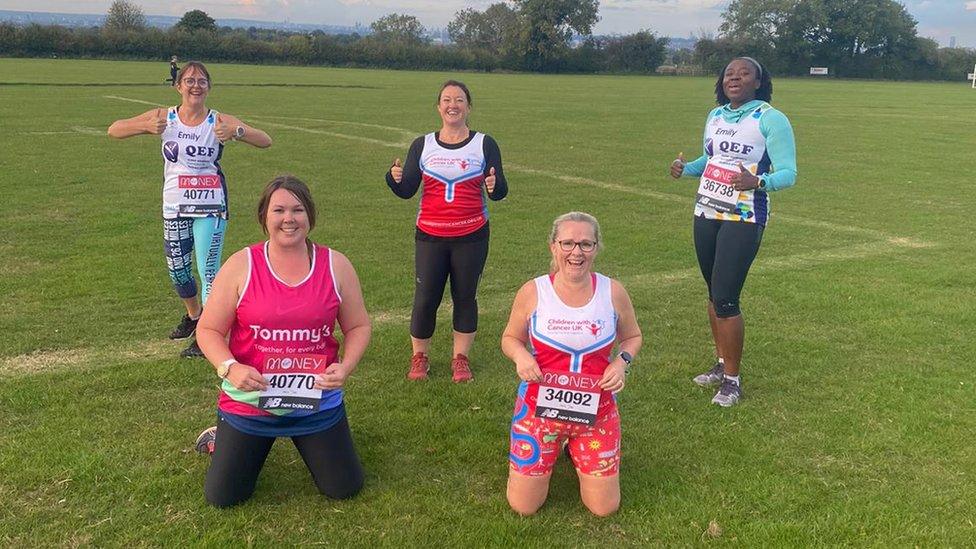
{"type": "Point", "coordinates": [269, 329]}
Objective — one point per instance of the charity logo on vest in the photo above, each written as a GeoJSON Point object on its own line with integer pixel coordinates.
{"type": "Point", "coordinates": [171, 151]}
{"type": "Point", "coordinates": [563, 326]}
{"type": "Point", "coordinates": [273, 335]}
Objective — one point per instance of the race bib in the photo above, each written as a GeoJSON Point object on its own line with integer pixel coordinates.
{"type": "Point", "coordinates": [569, 397]}
{"type": "Point", "coordinates": [290, 380]}
{"type": "Point", "coordinates": [715, 190]}
{"type": "Point", "coordinates": [200, 195]}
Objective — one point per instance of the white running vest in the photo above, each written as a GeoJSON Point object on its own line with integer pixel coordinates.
{"type": "Point", "coordinates": [193, 185]}
{"type": "Point", "coordinates": [727, 145]}
{"type": "Point", "coordinates": [561, 334]}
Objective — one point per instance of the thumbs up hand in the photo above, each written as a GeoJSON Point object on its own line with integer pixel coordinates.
{"type": "Point", "coordinates": [744, 180]}
{"type": "Point", "coordinates": [678, 166]}
{"type": "Point", "coordinates": [490, 180]}
{"type": "Point", "coordinates": [156, 122]}
{"type": "Point", "coordinates": [396, 171]}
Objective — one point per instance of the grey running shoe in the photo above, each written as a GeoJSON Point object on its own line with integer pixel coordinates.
{"type": "Point", "coordinates": [184, 329]}
{"type": "Point", "coordinates": [711, 377]}
{"type": "Point", "coordinates": [728, 394]}
{"type": "Point", "coordinates": [206, 440]}
{"type": "Point", "coordinates": [193, 351]}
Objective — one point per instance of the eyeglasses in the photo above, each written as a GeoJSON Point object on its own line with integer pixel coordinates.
{"type": "Point", "coordinates": [202, 82]}
{"type": "Point", "coordinates": [584, 245]}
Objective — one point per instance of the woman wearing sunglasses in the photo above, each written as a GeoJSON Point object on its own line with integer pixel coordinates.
{"type": "Point", "coordinates": [561, 336]}
{"type": "Point", "coordinates": [194, 187]}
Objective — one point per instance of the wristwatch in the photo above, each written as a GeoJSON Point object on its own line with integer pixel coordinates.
{"type": "Point", "coordinates": [239, 132]}
{"type": "Point", "coordinates": [627, 358]}
{"type": "Point", "coordinates": [224, 368]}
{"type": "Point", "coordinates": [762, 183]}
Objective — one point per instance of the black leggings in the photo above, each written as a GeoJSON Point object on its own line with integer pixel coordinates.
{"type": "Point", "coordinates": [435, 260]}
{"type": "Point", "coordinates": [238, 458]}
{"type": "Point", "coordinates": [725, 252]}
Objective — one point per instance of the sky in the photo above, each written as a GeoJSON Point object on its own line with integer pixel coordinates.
{"type": "Point", "coordinates": [938, 19]}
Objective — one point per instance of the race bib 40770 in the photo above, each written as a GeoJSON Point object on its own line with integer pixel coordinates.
{"type": "Point", "coordinates": [290, 382]}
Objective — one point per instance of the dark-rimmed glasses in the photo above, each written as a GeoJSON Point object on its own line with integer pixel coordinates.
{"type": "Point", "coordinates": [584, 245]}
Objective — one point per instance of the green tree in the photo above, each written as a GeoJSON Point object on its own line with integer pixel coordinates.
{"type": "Point", "coordinates": [639, 52]}
{"type": "Point", "coordinates": [399, 29]}
{"type": "Point", "coordinates": [196, 20]}
{"type": "Point", "coordinates": [856, 37]}
{"type": "Point", "coordinates": [124, 16]}
{"type": "Point", "coordinates": [495, 30]}
{"type": "Point", "coordinates": [549, 26]}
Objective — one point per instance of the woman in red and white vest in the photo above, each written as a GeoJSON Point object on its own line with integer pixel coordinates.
{"type": "Point", "coordinates": [458, 170]}
{"type": "Point", "coordinates": [269, 329]}
{"type": "Point", "coordinates": [561, 336]}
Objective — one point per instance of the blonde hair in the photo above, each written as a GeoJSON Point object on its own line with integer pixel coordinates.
{"type": "Point", "coordinates": [581, 217]}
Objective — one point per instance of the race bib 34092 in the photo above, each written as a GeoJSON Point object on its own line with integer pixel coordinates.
{"type": "Point", "coordinates": [569, 397]}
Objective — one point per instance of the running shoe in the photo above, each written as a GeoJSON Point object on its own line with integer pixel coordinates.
{"type": "Point", "coordinates": [206, 440]}
{"type": "Point", "coordinates": [711, 377]}
{"type": "Point", "coordinates": [728, 394]}
{"type": "Point", "coordinates": [461, 369]}
{"type": "Point", "coordinates": [184, 329]}
{"type": "Point", "coordinates": [419, 366]}
{"type": "Point", "coordinates": [193, 351]}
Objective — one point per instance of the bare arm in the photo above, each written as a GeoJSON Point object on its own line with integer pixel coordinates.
{"type": "Point", "coordinates": [227, 125]}
{"type": "Point", "coordinates": [219, 315]}
{"type": "Point", "coordinates": [149, 122]}
{"type": "Point", "coordinates": [629, 338]}
{"type": "Point", "coordinates": [516, 334]}
{"type": "Point", "coordinates": [353, 320]}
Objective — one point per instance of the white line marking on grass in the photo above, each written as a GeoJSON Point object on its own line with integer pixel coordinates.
{"type": "Point", "coordinates": [339, 135]}
{"type": "Point", "coordinates": [131, 100]}
{"type": "Point", "coordinates": [900, 241]}
{"type": "Point", "coordinates": [408, 133]}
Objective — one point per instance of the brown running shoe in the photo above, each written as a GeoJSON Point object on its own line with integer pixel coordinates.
{"type": "Point", "coordinates": [461, 368]}
{"type": "Point", "coordinates": [419, 366]}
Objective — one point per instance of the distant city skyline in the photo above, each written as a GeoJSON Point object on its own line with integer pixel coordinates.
{"type": "Point", "coordinates": [941, 20]}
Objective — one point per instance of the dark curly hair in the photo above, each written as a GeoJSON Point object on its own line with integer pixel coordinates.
{"type": "Point", "coordinates": [765, 91]}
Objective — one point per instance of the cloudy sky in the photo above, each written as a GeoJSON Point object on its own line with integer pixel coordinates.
{"type": "Point", "coordinates": [938, 19]}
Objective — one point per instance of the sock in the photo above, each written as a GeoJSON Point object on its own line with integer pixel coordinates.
{"type": "Point", "coordinates": [195, 317]}
{"type": "Point", "coordinates": [733, 379]}
{"type": "Point", "coordinates": [721, 361]}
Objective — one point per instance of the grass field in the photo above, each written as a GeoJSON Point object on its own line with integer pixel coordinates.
{"type": "Point", "coordinates": [859, 421]}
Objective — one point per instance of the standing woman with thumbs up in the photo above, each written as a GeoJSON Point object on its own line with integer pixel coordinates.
{"type": "Point", "coordinates": [457, 168]}
{"type": "Point", "coordinates": [194, 187]}
{"type": "Point", "coordinates": [749, 152]}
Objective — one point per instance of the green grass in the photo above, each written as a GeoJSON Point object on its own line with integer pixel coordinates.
{"type": "Point", "coordinates": [858, 424]}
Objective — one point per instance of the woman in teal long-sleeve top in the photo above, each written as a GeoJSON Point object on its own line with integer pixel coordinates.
{"type": "Point", "coordinates": [749, 152]}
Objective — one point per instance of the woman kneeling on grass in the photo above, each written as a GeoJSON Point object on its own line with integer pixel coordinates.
{"type": "Point", "coordinates": [282, 374]}
{"type": "Point", "coordinates": [571, 318]}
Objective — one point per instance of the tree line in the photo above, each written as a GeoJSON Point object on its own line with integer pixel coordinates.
{"type": "Point", "coordinates": [524, 35]}
{"type": "Point", "coordinates": [853, 38]}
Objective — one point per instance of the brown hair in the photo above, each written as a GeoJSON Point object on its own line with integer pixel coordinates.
{"type": "Point", "coordinates": [459, 84]}
{"type": "Point", "coordinates": [194, 65]}
{"type": "Point", "coordinates": [293, 185]}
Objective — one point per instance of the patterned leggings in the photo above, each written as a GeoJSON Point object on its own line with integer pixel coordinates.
{"type": "Point", "coordinates": [186, 238]}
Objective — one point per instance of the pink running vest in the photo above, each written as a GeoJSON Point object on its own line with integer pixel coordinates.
{"type": "Point", "coordinates": [274, 318]}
